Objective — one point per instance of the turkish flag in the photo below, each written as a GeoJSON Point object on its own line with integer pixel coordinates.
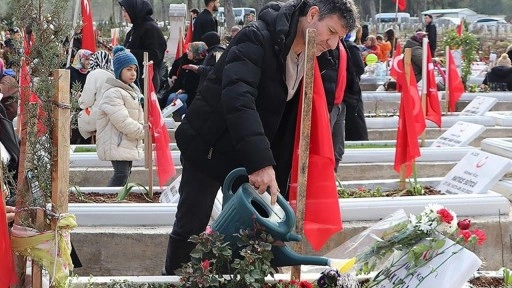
{"type": "Point", "coordinates": [113, 33]}
{"type": "Point", "coordinates": [7, 271]}
{"type": "Point", "coordinates": [455, 86]}
{"type": "Point", "coordinates": [164, 164]}
{"type": "Point", "coordinates": [189, 37]}
{"type": "Point", "coordinates": [322, 212]}
{"type": "Point", "coordinates": [460, 28]}
{"type": "Point", "coordinates": [433, 112]}
{"type": "Point", "coordinates": [88, 39]}
{"type": "Point", "coordinates": [393, 71]}
{"type": "Point", "coordinates": [28, 41]}
{"type": "Point", "coordinates": [410, 125]}
{"type": "Point", "coordinates": [28, 96]}
{"type": "Point", "coordinates": [401, 4]}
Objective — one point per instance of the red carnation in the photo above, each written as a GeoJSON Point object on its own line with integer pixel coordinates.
{"type": "Point", "coordinates": [305, 284]}
{"type": "Point", "coordinates": [466, 234]}
{"type": "Point", "coordinates": [480, 235]}
{"type": "Point", "coordinates": [464, 224]}
{"type": "Point", "coordinates": [445, 215]}
{"type": "Point", "coordinates": [205, 264]}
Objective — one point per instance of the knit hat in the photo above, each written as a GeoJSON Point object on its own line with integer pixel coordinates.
{"type": "Point", "coordinates": [211, 39]}
{"type": "Point", "coordinates": [504, 61]}
{"type": "Point", "coordinates": [122, 59]}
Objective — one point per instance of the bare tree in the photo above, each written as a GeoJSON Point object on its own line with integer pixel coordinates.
{"type": "Point", "coordinates": [164, 11]}
{"type": "Point", "coordinates": [190, 5]}
{"type": "Point", "coordinates": [228, 13]}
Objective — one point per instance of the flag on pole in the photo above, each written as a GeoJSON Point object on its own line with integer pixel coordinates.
{"type": "Point", "coordinates": [393, 71]}
{"type": "Point", "coordinates": [88, 39]}
{"type": "Point", "coordinates": [190, 35]}
{"type": "Point", "coordinates": [322, 212]}
{"type": "Point", "coordinates": [401, 4]}
{"type": "Point", "coordinates": [410, 125]}
{"type": "Point", "coordinates": [113, 33]}
{"type": "Point", "coordinates": [460, 28]}
{"type": "Point", "coordinates": [456, 88]}
{"type": "Point", "coordinates": [27, 95]}
{"type": "Point", "coordinates": [164, 164]}
{"type": "Point", "coordinates": [7, 271]}
{"type": "Point", "coordinates": [28, 41]}
{"type": "Point", "coordinates": [433, 112]}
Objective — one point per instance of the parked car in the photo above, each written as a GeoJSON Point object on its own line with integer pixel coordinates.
{"type": "Point", "coordinates": [490, 21]}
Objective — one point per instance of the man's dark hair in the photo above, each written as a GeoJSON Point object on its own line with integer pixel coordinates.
{"type": "Point", "coordinates": [206, 2]}
{"type": "Point", "coordinates": [345, 9]}
{"type": "Point", "coordinates": [429, 16]}
{"type": "Point", "coordinates": [194, 10]}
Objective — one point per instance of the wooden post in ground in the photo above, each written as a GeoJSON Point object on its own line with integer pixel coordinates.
{"type": "Point", "coordinates": [424, 86]}
{"type": "Point", "coordinates": [407, 71]}
{"type": "Point", "coordinates": [446, 81]}
{"type": "Point", "coordinates": [305, 131]}
{"type": "Point", "coordinates": [148, 144]}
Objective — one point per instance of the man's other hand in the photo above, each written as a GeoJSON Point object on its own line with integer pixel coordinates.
{"type": "Point", "coordinates": [264, 179]}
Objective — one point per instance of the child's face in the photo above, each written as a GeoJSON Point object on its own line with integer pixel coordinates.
{"type": "Point", "coordinates": [129, 74]}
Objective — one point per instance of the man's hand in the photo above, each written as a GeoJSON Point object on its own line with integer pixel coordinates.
{"type": "Point", "coordinates": [264, 179]}
{"type": "Point", "coordinates": [10, 213]}
{"type": "Point", "coordinates": [190, 67]}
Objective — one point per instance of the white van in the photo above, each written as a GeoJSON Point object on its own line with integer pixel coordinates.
{"type": "Point", "coordinates": [239, 14]}
{"type": "Point", "coordinates": [390, 17]}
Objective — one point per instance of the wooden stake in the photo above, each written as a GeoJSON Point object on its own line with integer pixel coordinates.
{"type": "Point", "coordinates": [407, 70]}
{"type": "Point", "coordinates": [148, 145]}
{"type": "Point", "coordinates": [424, 86]}
{"type": "Point", "coordinates": [305, 131]}
{"type": "Point", "coordinates": [446, 81]}
{"type": "Point", "coordinates": [60, 141]}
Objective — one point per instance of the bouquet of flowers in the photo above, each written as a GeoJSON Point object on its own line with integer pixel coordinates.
{"type": "Point", "coordinates": [405, 251]}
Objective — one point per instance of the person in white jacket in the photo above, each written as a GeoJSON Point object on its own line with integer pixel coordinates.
{"type": "Point", "coordinates": [119, 125]}
{"type": "Point", "coordinates": [100, 67]}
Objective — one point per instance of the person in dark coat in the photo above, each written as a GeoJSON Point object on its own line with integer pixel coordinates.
{"type": "Point", "coordinates": [500, 76]}
{"type": "Point", "coordinates": [205, 22]}
{"type": "Point", "coordinates": [215, 49]}
{"type": "Point", "coordinates": [431, 30]}
{"type": "Point", "coordinates": [235, 119]}
{"type": "Point", "coordinates": [416, 45]}
{"type": "Point", "coordinates": [144, 36]}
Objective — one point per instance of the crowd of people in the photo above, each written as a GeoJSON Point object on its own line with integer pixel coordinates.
{"type": "Point", "coordinates": [240, 100]}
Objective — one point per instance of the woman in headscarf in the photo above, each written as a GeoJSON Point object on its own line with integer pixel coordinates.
{"type": "Point", "coordinates": [185, 85]}
{"type": "Point", "coordinates": [78, 71]}
{"type": "Point", "coordinates": [100, 67]}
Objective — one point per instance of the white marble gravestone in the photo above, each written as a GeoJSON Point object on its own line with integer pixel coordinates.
{"type": "Point", "coordinates": [479, 106]}
{"type": "Point", "coordinates": [460, 134]}
{"type": "Point", "coordinates": [476, 173]}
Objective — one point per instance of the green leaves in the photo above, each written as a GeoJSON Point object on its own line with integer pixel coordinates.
{"type": "Point", "coordinates": [123, 193]}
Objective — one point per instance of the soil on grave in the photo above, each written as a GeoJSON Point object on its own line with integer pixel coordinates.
{"type": "Point", "coordinates": [365, 193]}
{"type": "Point", "coordinates": [96, 197]}
{"type": "Point", "coordinates": [487, 282]}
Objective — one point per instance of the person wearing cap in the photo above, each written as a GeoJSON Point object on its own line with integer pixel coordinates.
{"type": "Point", "coordinates": [119, 125]}
{"type": "Point", "coordinates": [499, 78]}
{"type": "Point", "coordinates": [431, 30]}
{"type": "Point", "coordinates": [415, 42]}
{"type": "Point", "coordinates": [9, 91]}
{"type": "Point", "coordinates": [12, 49]}
{"type": "Point", "coordinates": [144, 36]}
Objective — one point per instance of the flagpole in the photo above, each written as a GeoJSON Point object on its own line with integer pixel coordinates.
{"type": "Point", "coordinates": [148, 145]}
{"type": "Point", "coordinates": [424, 86]}
{"type": "Point", "coordinates": [407, 71]}
{"type": "Point", "coordinates": [446, 82]}
{"type": "Point", "coordinates": [304, 141]}
{"type": "Point", "coordinates": [75, 17]}
{"type": "Point", "coordinates": [397, 31]}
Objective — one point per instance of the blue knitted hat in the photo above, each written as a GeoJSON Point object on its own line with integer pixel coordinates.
{"type": "Point", "coordinates": [122, 59]}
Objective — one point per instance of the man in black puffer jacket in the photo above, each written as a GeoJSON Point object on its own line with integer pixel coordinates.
{"type": "Point", "coordinates": [144, 36]}
{"type": "Point", "coordinates": [235, 117]}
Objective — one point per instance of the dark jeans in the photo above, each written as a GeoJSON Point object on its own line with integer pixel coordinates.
{"type": "Point", "coordinates": [122, 170]}
{"type": "Point", "coordinates": [337, 119]}
{"type": "Point", "coordinates": [197, 195]}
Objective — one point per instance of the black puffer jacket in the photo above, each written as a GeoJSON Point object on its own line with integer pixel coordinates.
{"type": "Point", "coordinates": [209, 61]}
{"type": "Point", "coordinates": [145, 36]}
{"type": "Point", "coordinates": [237, 111]}
{"type": "Point", "coordinates": [499, 78]}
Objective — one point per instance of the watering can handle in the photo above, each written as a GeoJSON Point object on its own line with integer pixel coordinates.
{"type": "Point", "coordinates": [228, 183]}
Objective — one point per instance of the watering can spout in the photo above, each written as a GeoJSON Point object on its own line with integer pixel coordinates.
{"type": "Point", "coordinates": [284, 256]}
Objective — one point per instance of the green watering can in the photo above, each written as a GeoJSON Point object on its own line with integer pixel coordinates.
{"type": "Point", "coordinates": [241, 209]}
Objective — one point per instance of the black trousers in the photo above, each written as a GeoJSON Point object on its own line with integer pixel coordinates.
{"type": "Point", "coordinates": [197, 196]}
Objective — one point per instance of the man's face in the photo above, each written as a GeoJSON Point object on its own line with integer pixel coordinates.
{"type": "Point", "coordinates": [329, 30]}
{"type": "Point", "coordinates": [427, 19]}
{"type": "Point", "coordinates": [216, 5]}
{"type": "Point", "coordinates": [126, 16]}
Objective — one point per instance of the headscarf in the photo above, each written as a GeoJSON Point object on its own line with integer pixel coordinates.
{"type": "Point", "coordinates": [198, 50]}
{"type": "Point", "coordinates": [79, 60]}
{"type": "Point", "coordinates": [100, 60]}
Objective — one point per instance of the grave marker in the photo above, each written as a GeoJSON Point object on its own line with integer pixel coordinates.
{"type": "Point", "coordinates": [170, 193]}
{"type": "Point", "coordinates": [479, 106]}
{"type": "Point", "coordinates": [476, 173]}
{"type": "Point", "coordinates": [460, 134]}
